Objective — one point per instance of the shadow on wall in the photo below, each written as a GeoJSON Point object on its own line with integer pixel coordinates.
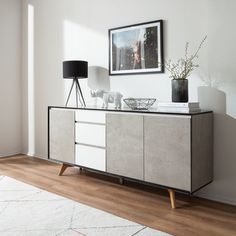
{"type": "Point", "coordinates": [224, 144]}
{"type": "Point", "coordinates": [98, 78]}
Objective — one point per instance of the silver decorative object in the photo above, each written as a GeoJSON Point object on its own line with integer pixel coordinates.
{"type": "Point", "coordinates": [139, 103]}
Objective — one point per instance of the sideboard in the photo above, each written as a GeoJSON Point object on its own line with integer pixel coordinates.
{"type": "Point", "coordinates": [170, 150]}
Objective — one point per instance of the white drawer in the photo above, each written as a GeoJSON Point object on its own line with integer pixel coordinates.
{"type": "Point", "coordinates": [90, 157]}
{"type": "Point", "coordinates": [90, 134]}
{"type": "Point", "coordinates": [91, 116]}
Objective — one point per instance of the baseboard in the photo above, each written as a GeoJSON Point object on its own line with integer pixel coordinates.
{"type": "Point", "coordinates": [11, 154]}
{"type": "Point", "coordinates": [35, 155]}
{"type": "Point", "coordinates": [218, 198]}
{"type": "Point", "coordinates": [40, 157]}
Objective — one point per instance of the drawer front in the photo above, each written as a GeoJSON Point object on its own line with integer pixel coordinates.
{"type": "Point", "coordinates": [91, 116]}
{"type": "Point", "coordinates": [90, 134]}
{"type": "Point", "coordinates": [90, 157]}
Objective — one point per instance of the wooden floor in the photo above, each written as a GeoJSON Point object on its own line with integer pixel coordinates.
{"type": "Point", "coordinates": [143, 204]}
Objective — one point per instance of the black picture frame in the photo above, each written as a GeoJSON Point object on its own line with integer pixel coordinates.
{"type": "Point", "coordinates": [136, 49]}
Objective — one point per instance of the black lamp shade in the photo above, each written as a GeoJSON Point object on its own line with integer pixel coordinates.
{"type": "Point", "coordinates": [75, 69]}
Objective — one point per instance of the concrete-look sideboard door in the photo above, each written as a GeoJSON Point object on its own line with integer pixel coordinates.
{"type": "Point", "coordinates": [62, 135]}
{"type": "Point", "coordinates": [167, 151]}
{"type": "Point", "coordinates": [124, 142]}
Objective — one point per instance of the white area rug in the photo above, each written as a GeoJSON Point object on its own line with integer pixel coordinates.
{"type": "Point", "coordinates": [29, 211]}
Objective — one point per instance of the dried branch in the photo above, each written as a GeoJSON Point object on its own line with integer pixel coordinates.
{"type": "Point", "coordinates": [184, 66]}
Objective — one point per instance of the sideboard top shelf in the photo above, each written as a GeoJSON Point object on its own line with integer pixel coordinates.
{"type": "Point", "coordinates": [150, 111]}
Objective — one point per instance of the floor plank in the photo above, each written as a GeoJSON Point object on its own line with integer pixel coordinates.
{"type": "Point", "coordinates": [134, 201]}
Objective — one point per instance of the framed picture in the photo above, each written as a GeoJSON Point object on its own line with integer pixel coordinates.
{"type": "Point", "coordinates": [136, 49]}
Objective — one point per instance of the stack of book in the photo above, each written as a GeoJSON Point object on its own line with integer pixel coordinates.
{"type": "Point", "coordinates": [181, 107]}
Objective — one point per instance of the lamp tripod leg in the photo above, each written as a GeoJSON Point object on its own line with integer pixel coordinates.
{"type": "Point", "coordinates": [70, 93]}
{"type": "Point", "coordinates": [81, 103]}
{"type": "Point", "coordinates": [76, 92]}
{"type": "Point", "coordinates": [80, 92]}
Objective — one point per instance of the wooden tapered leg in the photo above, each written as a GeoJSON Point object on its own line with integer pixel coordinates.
{"type": "Point", "coordinates": [63, 168]}
{"type": "Point", "coordinates": [172, 198]}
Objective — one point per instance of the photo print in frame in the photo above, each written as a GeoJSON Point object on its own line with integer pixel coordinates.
{"type": "Point", "coordinates": [136, 49]}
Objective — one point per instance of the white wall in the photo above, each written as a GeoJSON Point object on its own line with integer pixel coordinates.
{"type": "Point", "coordinates": [10, 75]}
{"type": "Point", "coordinates": [78, 29]}
{"type": "Point", "coordinates": [221, 97]}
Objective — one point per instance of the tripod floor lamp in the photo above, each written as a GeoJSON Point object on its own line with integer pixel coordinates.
{"type": "Point", "coordinates": [75, 70]}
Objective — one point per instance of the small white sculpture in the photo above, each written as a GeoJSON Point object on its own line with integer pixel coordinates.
{"type": "Point", "coordinates": [108, 97]}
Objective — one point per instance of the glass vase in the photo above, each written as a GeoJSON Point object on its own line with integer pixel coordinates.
{"type": "Point", "coordinates": [179, 90]}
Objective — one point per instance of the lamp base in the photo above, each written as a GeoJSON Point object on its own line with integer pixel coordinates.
{"type": "Point", "coordinates": [78, 93]}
